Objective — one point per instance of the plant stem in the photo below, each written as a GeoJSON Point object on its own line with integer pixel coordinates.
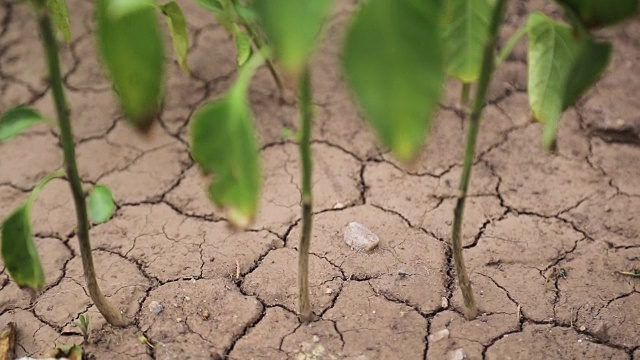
{"type": "Point", "coordinates": [257, 41]}
{"type": "Point", "coordinates": [464, 96]}
{"type": "Point", "coordinates": [111, 313]}
{"type": "Point", "coordinates": [471, 310]}
{"type": "Point", "coordinates": [511, 43]}
{"type": "Point", "coordinates": [306, 113]}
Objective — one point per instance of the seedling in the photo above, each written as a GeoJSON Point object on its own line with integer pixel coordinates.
{"type": "Point", "coordinates": [132, 51]}
{"type": "Point", "coordinates": [398, 78]}
{"type": "Point", "coordinates": [145, 341]}
{"type": "Point", "coordinates": [291, 28]}
{"type": "Point", "coordinates": [83, 325]}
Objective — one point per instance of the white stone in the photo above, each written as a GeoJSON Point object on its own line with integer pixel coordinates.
{"type": "Point", "coordinates": [155, 307]}
{"type": "Point", "coordinates": [457, 354]}
{"type": "Point", "coordinates": [442, 334]}
{"type": "Point", "coordinates": [360, 238]}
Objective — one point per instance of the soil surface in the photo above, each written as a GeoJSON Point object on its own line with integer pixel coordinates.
{"type": "Point", "coordinates": [544, 233]}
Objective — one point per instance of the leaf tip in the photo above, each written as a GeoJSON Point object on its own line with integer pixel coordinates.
{"type": "Point", "coordinates": [239, 219]}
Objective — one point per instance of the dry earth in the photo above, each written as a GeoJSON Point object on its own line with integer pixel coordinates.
{"type": "Point", "coordinates": [544, 233]}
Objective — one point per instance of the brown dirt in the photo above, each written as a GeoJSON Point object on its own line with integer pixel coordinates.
{"type": "Point", "coordinates": [544, 233]}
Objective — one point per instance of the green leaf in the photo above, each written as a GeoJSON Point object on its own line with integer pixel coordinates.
{"type": "Point", "coordinates": [393, 60]}
{"type": "Point", "coordinates": [222, 10]}
{"type": "Point", "coordinates": [211, 5]}
{"type": "Point", "coordinates": [591, 61]}
{"type": "Point", "coordinates": [19, 252]}
{"type": "Point", "coordinates": [131, 47]}
{"type": "Point", "coordinates": [223, 143]}
{"type": "Point", "coordinates": [16, 120]}
{"type": "Point", "coordinates": [292, 27]}
{"type": "Point", "coordinates": [243, 46]}
{"type": "Point", "coordinates": [100, 204]}
{"type": "Point", "coordinates": [552, 53]}
{"type": "Point", "coordinates": [60, 15]}
{"type": "Point", "coordinates": [178, 27]}
{"type": "Point", "coordinates": [596, 13]}
{"type": "Point", "coordinates": [466, 32]}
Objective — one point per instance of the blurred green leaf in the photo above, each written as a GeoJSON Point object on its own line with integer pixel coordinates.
{"type": "Point", "coordinates": [292, 27]}
{"type": "Point", "coordinates": [246, 14]}
{"type": "Point", "coordinates": [596, 13]}
{"type": "Point", "coordinates": [131, 46]}
{"type": "Point", "coordinates": [19, 252]}
{"type": "Point", "coordinates": [60, 15]}
{"type": "Point", "coordinates": [466, 31]}
{"type": "Point", "coordinates": [16, 120]}
{"type": "Point", "coordinates": [100, 204]}
{"type": "Point", "coordinates": [243, 46]}
{"type": "Point", "coordinates": [393, 60]}
{"type": "Point", "coordinates": [178, 27]}
{"type": "Point", "coordinates": [552, 52]}
{"type": "Point", "coordinates": [591, 62]}
{"type": "Point", "coordinates": [223, 10]}
{"type": "Point", "coordinates": [223, 143]}
{"type": "Point", "coordinates": [211, 5]}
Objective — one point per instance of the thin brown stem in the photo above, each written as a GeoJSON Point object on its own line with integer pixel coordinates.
{"type": "Point", "coordinates": [306, 112]}
{"type": "Point", "coordinates": [488, 61]}
{"type": "Point", "coordinates": [110, 313]}
{"type": "Point", "coordinates": [259, 44]}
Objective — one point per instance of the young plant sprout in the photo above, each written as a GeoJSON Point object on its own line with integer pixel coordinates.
{"type": "Point", "coordinates": [131, 47]}
{"type": "Point", "coordinates": [292, 29]}
{"type": "Point", "coordinates": [83, 325]}
{"type": "Point", "coordinates": [399, 87]}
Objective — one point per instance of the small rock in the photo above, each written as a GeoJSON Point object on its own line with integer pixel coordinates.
{"type": "Point", "coordinates": [360, 238]}
{"type": "Point", "coordinates": [178, 319]}
{"type": "Point", "coordinates": [602, 332]}
{"type": "Point", "coordinates": [338, 205]}
{"type": "Point", "coordinates": [582, 328]}
{"type": "Point", "coordinates": [402, 273]}
{"type": "Point", "coordinates": [186, 298]}
{"type": "Point", "coordinates": [204, 314]}
{"type": "Point", "coordinates": [442, 334]}
{"type": "Point", "coordinates": [457, 354]}
{"type": "Point", "coordinates": [445, 303]}
{"type": "Point", "coordinates": [328, 291]}
{"type": "Point", "coordinates": [316, 338]}
{"type": "Point", "coordinates": [155, 307]}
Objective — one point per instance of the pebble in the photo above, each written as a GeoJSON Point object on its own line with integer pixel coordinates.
{"type": "Point", "coordinates": [458, 354]}
{"type": "Point", "coordinates": [360, 238]}
{"type": "Point", "coordinates": [316, 338]}
{"type": "Point", "coordinates": [445, 303]}
{"type": "Point", "coordinates": [155, 307]}
{"type": "Point", "coordinates": [328, 291]}
{"type": "Point", "coordinates": [442, 334]}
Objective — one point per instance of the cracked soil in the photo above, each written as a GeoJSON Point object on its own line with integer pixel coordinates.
{"type": "Point", "coordinates": [544, 233]}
